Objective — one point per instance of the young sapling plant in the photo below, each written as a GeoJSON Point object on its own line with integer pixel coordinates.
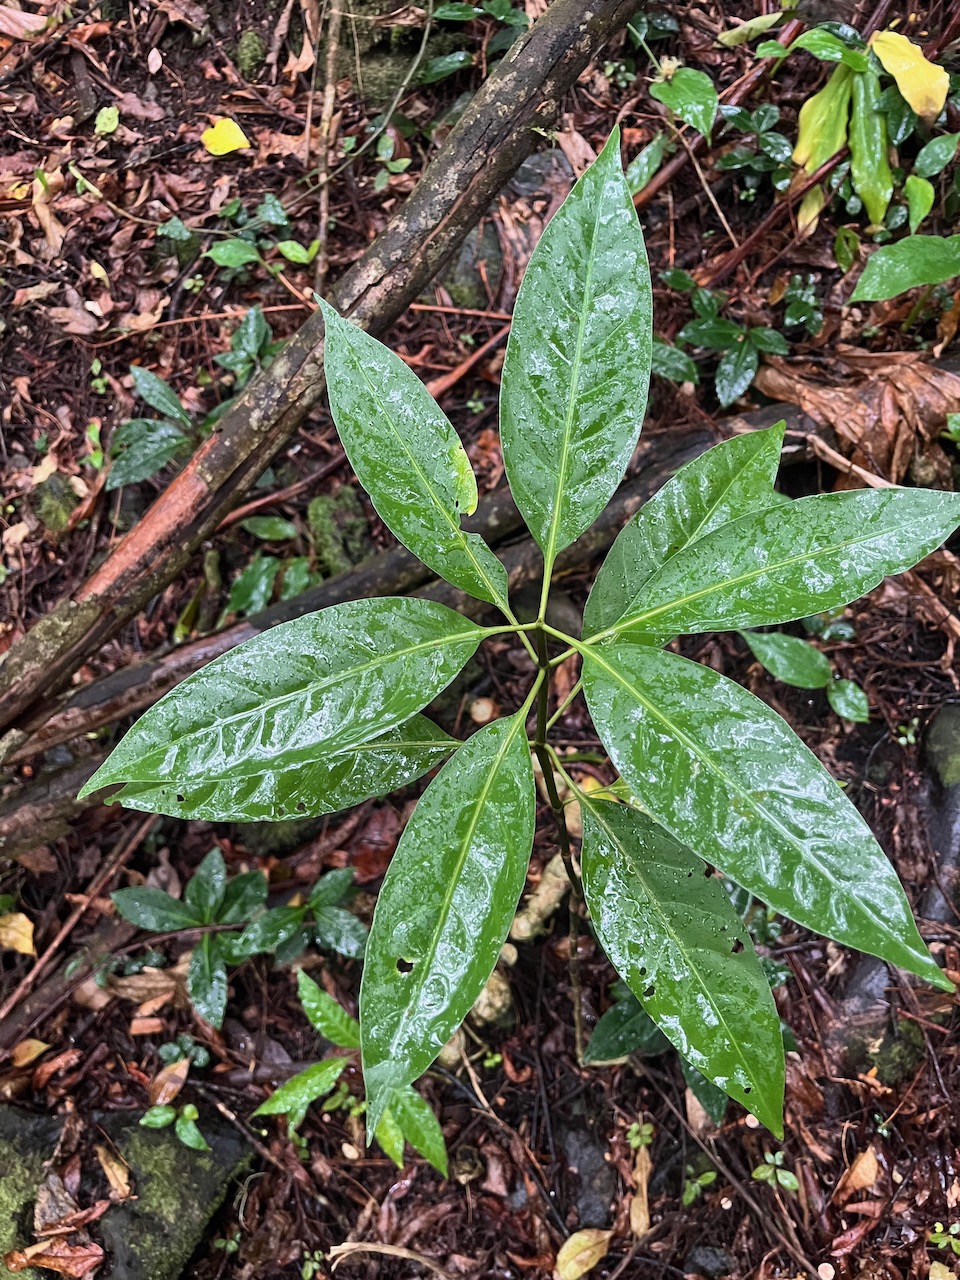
{"type": "Point", "coordinates": [325, 711]}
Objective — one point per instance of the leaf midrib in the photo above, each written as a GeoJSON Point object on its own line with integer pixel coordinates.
{"type": "Point", "coordinates": [677, 938]}
{"type": "Point", "coordinates": [725, 778]}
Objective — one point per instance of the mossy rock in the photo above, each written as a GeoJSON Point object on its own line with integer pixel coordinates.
{"type": "Point", "coordinates": [178, 1191]}
{"type": "Point", "coordinates": [338, 527]}
{"type": "Point", "coordinates": [54, 502]}
{"type": "Point", "coordinates": [894, 1056]}
{"type": "Point", "coordinates": [251, 54]}
{"type": "Point", "coordinates": [26, 1142]}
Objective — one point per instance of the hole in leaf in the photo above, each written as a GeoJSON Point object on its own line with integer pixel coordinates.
{"type": "Point", "coordinates": [737, 947]}
{"type": "Point", "coordinates": [301, 807]}
{"type": "Point", "coordinates": [747, 1088]}
{"type": "Point", "coordinates": [648, 994]}
{"type": "Point", "coordinates": [404, 966]}
{"type": "Point", "coordinates": [179, 799]}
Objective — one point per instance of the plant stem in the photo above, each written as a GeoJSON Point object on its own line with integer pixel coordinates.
{"type": "Point", "coordinates": [556, 805]}
{"type": "Point", "coordinates": [564, 704]}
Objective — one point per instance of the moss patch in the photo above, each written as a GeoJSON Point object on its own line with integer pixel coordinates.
{"type": "Point", "coordinates": [251, 54]}
{"type": "Point", "coordinates": [26, 1141]}
{"type": "Point", "coordinates": [338, 527]}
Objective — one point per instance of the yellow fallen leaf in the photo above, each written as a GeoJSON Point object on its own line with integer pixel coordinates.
{"type": "Point", "coordinates": [938, 1271]}
{"type": "Point", "coordinates": [16, 933]}
{"type": "Point", "coordinates": [640, 1204]}
{"type": "Point", "coordinates": [581, 1253]}
{"type": "Point", "coordinates": [923, 84]}
{"type": "Point", "coordinates": [27, 1051]}
{"type": "Point", "coordinates": [224, 136]}
{"type": "Point", "coordinates": [117, 1173]}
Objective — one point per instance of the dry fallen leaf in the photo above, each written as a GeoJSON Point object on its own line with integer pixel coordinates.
{"type": "Point", "coordinates": [940, 1271]}
{"type": "Point", "coordinates": [224, 136]}
{"type": "Point", "coordinates": [581, 1253]}
{"type": "Point", "coordinates": [640, 1204]}
{"type": "Point", "coordinates": [168, 1082]}
{"type": "Point", "coordinates": [117, 1173]}
{"type": "Point", "coordinates": [16, 933]}
{"type": "Point", "coordinates": [18, 25]}
{"type": "Point", "coordinates": [27, 1051]}
{"type": "Point", "coordinates": [861, 1175]}
{"type": "Point", "coordinates": [923, 84]}
{"type": "Point", "coordinates": [74, 1260]}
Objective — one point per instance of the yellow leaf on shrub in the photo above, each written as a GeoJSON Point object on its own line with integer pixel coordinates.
{"type": "Point", "coordinates": [16, 933]}
{"type": "Point", "coordinates": [923, 84]}
{"type": "Point", "coordinates": [224, 136]}
{"type": "Point", "coordinates": [582, 1252]}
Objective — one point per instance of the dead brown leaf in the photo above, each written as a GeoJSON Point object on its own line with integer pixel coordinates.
{"type": "Point", "coordinates": [640, 1204]}
{"type": "Point", "coordinates": [27, 1051]}
{"type": "Point", "coordinates": [137, 109]}
{"type": "Point", "coordinates": [67, 1259]}
{"type": "Point", "coordinates": [16, 932]}
{"type": "Point", "coordinates": [34, 293]}
{"type": "Point", "coordinates": [861, 1175]}
{"type": "Point", "coordinates": [117, 1173]}
{"type": "Point", "coordinates": [168, 1082]}
{"type": "Point", "coordinates": [19, 25]}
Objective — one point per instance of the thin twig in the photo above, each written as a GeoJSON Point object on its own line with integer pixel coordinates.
{"type": "Point", "coordinates": [326, 144]}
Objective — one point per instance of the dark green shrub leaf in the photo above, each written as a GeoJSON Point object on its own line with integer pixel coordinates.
{"type": "Point", "coordinates": [243, 897]}
{"type": "Point", "coordinates": [670, 362]}
{"type": "Point", "coordinates": [420, 1127]}
{"type": "Point", "coordinates": [294, 1097]}
{"type": "Point", "coordinates": [690, 95]}
{"type": "Point", "coordinates": [306, 789]}
{"type": "Point", "coordinates": [576, 370]}
{"type": "Point", "coordinates": [158, 394]}
{"type": "Point", "coordinates": [770, 341]}
{"type": "Point", "coordinates": [333, 887]}
{"type": "Point", "coordinates": [251, 336]}
{"type": "Point", "coordinates": [207, 980]}
{"type": "Point", "coordinates": [269, 528]}
{"type": "Point", "coordinates": [934, 157]}
{"type": "Point", "coordinates": [140, 447]}
{"type": "Point", "coordinates": [446, 64]}
{"type": "Point", "coordinates": [446, 905]}
{"type": "Point", "coordinates": [456, 12]}
{"type": "Point", "coordinates": [408, 457]}
{"type": "Point", "coordinates": [790, 659]}
{"type": "Point", "coordinates": [736, 371]}
{"type": "Point", "coordinates": [253, 587]}
{"type": "Point", "coordinates": [713, 333]}
{"type": "Point", "coordinates": [205, 888]}
{"type": "Point", "coordinates": [672, 934]}
{"type": "Point", "coordinates": [625, 1028]}
{"type": "Point", "coordinates": [337, 929]}
{"type": "Point", "coordinates": [918, 260]}
{"type": "Point", "coordinates": [295, 695]}
{"type": "Point", "coordinates": [390, 1136]}
{"type": "Point", "coordinates": [920, 197]}
{"type": "Point", "coordinates": [849, 700]}
{"type": "Point", "coordinates": [644, 165]}
{"type": "Point", "coordinates": [267, 933]}
{"type": "Point", "coordinates": [329, 1018]}
{"type": "Point", "coordinates": [763, 810]}
{"type": "Point", "coordinates": [233, 253]}
{"type": "Point", "coordinates": [153, 909]}
{"type": "Point", "coordinates": [711, 1098]}
{"type": "Point", "coordinates": [775, 566]}
{"type": "Point", "coordinates": [722, 484]}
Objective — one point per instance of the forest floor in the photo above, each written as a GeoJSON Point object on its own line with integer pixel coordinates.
{"type": "Point", "coordinates": [109, 206]}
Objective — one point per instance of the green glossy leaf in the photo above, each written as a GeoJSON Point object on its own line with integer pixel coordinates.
{"type": "Point", "coordinates": [724, 483]}
{"type": "Point", "coordinates": [233, 253]}
{"type": "Point", "coordinates": [849, 700]}
{"type": "Point", "coordinates": [790, 659]}
{"type": "Point", "coordinates": [769, 340]}
{"type": "Point", "coordinates": [158, 1117]}
{"type": "Point", "coordinates": [158, 394]}
{"type": "Point", "coordinates": [690, 95]}
{"type": "Point", "coordinates": [270, 528]}
{"type": "Point", "coordinates": [408, 457]}
{"type": "Point", "coordinates": [390, 1136]}
{"type": "Point", "coordinates": [775, 566]}
{"type": "Point", "coordinates": [326, 1015]}
{"type": "Point", "coordinates": [625, 1028]}
{"type": "Point", "coordinates": [646, 163]}
{"type": "Point", "coordinates": [266, 933]}
{"type": "Point", "coordinates": [712, 333]}
{"type": "Point", "coordinates": [243, 897]}
{"type": "Point", "coordinates": [920, 196]}
{"type": "Point", "coordinates": [140, 447]}
{"type": "Point", "coordinates": [736, 371]}
{"type": "Point", "coordinates": [670, 362]}
{"type": "Point", "coordinates": [727, 776]}
{"type": "Point", "coordinates": [205, 888]}
{"type": "Point", "coordinates": [251, 336]}
{"type": "Point", "coordinates": [446, 906]}
{"type": "Point", "coordinates": [294, 1096]}
{"type": "Point", "coordinates": [918, 260]}
{"type": "Point", "coordinates": [336, 929]}
{"type": "Point", "coordinates": [332, 888]}
{"type": "Point", "coordinates": [153, 909]}
{"type": "Point", "coordinates": [456, 12]}
{"type": "Point", "coordinates": [420, 1127]}
{"type": "Point", "coordinates": [828, 48]}
{"type": "Point", "coordinates": [296, 252]}
{"type": "Point", "coordinates": [577, 366]}
{"type": "Point", "coordinates": [328, 785]}
{"type": "Point", "coordinates": [295, 696]}
{"type": "Point", "coordinates": [444, 65]}
{"type": "Point", "coordinates": [207, 980]}
{"type": "Point", "coordinates": [673, 936]}
{"type": "Point", "coordinates": [748, 30]}
{"type": "Point", "coordinates": [934, 157]}
{"type": "Point", "coordinates": [713, 1100]}
{"type": "Point", "coordinates": [253, 587]}
{"type": "Point", "coordinates": [187, 1130]}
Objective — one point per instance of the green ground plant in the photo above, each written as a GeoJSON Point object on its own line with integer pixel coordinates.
{"type": "Point", "coordinates": [325, 711]}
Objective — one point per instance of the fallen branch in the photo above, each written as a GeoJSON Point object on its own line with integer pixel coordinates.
{"type": "Point", "coordinates": [496, 133]}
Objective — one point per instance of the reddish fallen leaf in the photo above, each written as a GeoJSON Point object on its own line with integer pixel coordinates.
{"type": "Point", "coordinates": [57, 1255]}
{"type": "Point", "coordinates": [847, 1241]}
{"type": "Point", "coordinates": [53, 1066]}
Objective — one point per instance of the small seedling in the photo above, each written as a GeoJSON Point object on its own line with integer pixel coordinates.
{"type": "Point", "coordinates": [694, 1185]}
{"type": "Point", "coordinates": [184, 1121]}
{"type": "Point", "coordinates": [772, 1171]}
{"type": "Point", "coordinates": [640, 1135]}
{"type": "Point", "coordinates": [946, 1237]}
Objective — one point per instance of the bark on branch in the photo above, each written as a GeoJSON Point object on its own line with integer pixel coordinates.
{"type": "Point", "coordinates": [496, 133]}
